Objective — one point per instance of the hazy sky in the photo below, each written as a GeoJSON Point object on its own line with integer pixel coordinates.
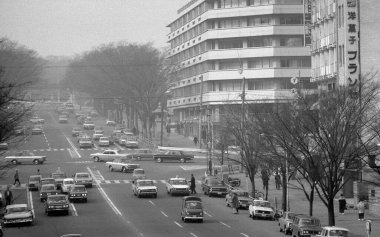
{"type": "Point", "coordinates": [68, 27]}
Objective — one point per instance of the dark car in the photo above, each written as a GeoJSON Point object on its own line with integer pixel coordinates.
{"type": "Point", "coordinates": [77, 192]}
{"type": "Point", "coordinates": [57, 203]}
{"type": "Point", "coordinates": [48, 181]}
{"type": "Point", "coordinates": [140, 154]}
{"type": "Point", "coordinates": [243, 197]}
{"type": "Point", "coordinates": [192, 209]}
{"type": "Point", "coordinates": [58, 177]}
{"type": "Point", "coordinates": [47, 190]}
{"type": "Point", "coordinates": [34, 182]}
{"type": "Point", "coordinates": [305, 226]}
{"type": "Point", "coordinates": [213, 186]}
{"type": "Point", "coordinates": [173, 156]}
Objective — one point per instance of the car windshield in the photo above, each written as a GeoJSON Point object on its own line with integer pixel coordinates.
{"type": "Point", "coordinates": [86, 139]}
{"type": "Point", "coordinates": [291, 215]}
{"type": "Point", "coordinates": [79, 189]}
{"type": "Point", "coordinates": [47, 181]}
{"type": "Point", "coordinates": [309, 222]}
{"type": "Point", "coordinates": [139, 171]}
{"type": "Point", "coordinates": [340, 233]}
{"type": "Point", "coordinates": [193, 205]}
{"type": "Point", "coordinates": [48, 188]}
{"type": "Point", "coordinates": [146, 183]}
{"type": "Point", "coordinates": [55, 176]}
{"type": "Point", "coordinates": [179, 182]}
{"type": "Point", "coordinates": [82, 176]}
{"type": "Point", "coordinates": [67, 182]}
{"type": "Point", "coordinates": [34, 178]}
{"type": "Point", "coordinates": [16, 209]}
{"type": "Point", "coordinates": [57, 198]}
{"type": "Point", "coordinates": [261, 204]}
{"type": "Point", "coordinates": [216, 182]}
{"type": "Point", "coordinates": [104, 139]}
{"type": "Point", "coordinates": [242, 194]}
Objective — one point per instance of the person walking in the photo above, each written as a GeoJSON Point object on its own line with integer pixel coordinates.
{"type": "Point", "coordinates": [192, 185]}
{"type": "Point", "coordinates": [277, 180]}
{"type": "Point", "coordinates": [8, 196]}
{"type": "Point", "coordinates": [16, 177]}
{"type": "Point", "coordinates": [342, 204]}
{"type": "Point", "coordinates": [195, 140]}
{"type": "Point", "coordinates": [360, 207]}
{"type": "Point", "coordinates": [235, 204]}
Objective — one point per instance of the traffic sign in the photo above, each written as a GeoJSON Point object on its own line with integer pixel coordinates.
{"type": "Point", "coordinates": [294, 80]}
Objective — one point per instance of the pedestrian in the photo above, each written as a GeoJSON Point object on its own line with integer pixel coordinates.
{"type": "Point", "coordinates": [235, 204]}
{"type": "Point", "coordinates": [192, 185]}
{"type": "Point", "coordinates": [16, 177]}
{"type": "Point", "coordinates": [38, 171]}
{"type": "Point", "coordinates": [8, 196]}
{"type": "Point", "coordinates": [195, 140]}
{"type": "Point", "coordinates": [360, 207]}
{"type": "Point", "coordinates": [265, 178]}
{"type": "Point", "coordinates": [277, 180]}
{"type": "Point", "coordinates": [342, 204]}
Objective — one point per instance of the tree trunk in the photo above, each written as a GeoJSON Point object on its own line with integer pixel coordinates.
{"type": "Point", "coordinates": [252, 178]}
{"type": "Point", "coordinates": [331, 212]}
{"type": "Point", "coordinates": [311, 201]}
{"type": "Point", "coordinates": [284, 189]}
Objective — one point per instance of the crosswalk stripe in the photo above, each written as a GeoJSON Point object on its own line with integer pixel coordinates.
{"type": "Point", "coordinates": [117, 181]}
{"type": "Point", "coordinates": [4, 186]}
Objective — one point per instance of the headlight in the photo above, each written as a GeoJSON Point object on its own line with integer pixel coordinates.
{"type": "Point", "coordinates": [51, 206]}
{"type": "Point", "coordinates": [305, 232]}
{"type": "Point", "coordinates": [201, 214]}
{"type": "Point", "coordinates": [41, 194]}
{"type": "Point", "coordinates": [187, 213]}
{"type": "Point", "coordinates": [84, 194]}
{"type": "Point", "coordinates": [66, 206]}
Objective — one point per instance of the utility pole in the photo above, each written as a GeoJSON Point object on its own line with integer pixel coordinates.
{"type": "Point", "coordinates": [162, 124]}
{"type": "Point", "coordinates": [200, 115]}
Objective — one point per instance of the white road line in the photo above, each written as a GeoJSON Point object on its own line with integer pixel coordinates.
{"type": "Point", "coordinates": [152, 203]}
{"type": "Point", "coordinates": [117, 181]}
{"type": "Point", "coordinates": [100, 175]}
{"type": "Point", "coordinates": [30, 200]}
{"type": "Point", "coordinates": [224, 224]}
{"type": "Point", "coordinates": [178, 224]}
{"type": "Point", "coordinates": [245, 235]}
{"type": "Point", "coordinates": [194, 235]}
{"type": "Point", "coordinates": [105, 196]}
{"type": "Point", "coordinates": [73, 147]}
{"type": "Point", "coordinates": [119, 147]}
{"type": "Point", "coordinates": [163, 213]}
{"type": "Point", "coordinates": [207, 213]}
{"type": "Point", "coordinates": [73, 211]}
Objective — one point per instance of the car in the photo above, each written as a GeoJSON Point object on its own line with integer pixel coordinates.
{"type": "Point", "coordinates": [48, 181]}
{"type": "Point", "coordinates": [37, 120]}
{"type": "Point", "coordinates": [333, 231]}
{"type": "Point", "coordinates": [261, 209]}
{"type": "Point", "coordinates": [305, 226]}
{"type": "Point", "coordinates": [285, 222]}
{"type": "Point", "coordinates": [57, 203]}
{"type": "Point", "coordinates": [131, 142]}
{"type": "Point", "coordinates": [97, 134]}
{"type": "Point", "coordinates": [144, 187]}
{"type": "Point", "coordinates": [82, 135]}
{"type": "Point", "coordinates": [46, 190]}
{"type": "Point", "coordinates": [110, 123]}
{"type": "Point", "coordinates": [63, 119]}
{"type": "Point", "coordinates": [93, 113]}
{"type": "Point", "coordinates": [122, 164]}
{"type": "Point", "coordinates": [58, 177]}
{"type": "Point", "coordinates": [243, 196]}
{"type": "Point", "coordinates": [192, 209]}
{"type": "Point", "coordinates": [83, 178]}
{"type": "Point", "coordinates": [104, 141]}
{"type": "Point", "coordinates": [20, 130]}
{"type": "Point", "coordinates": [138, 174]}
{"type": "Point", "coordinates": [177, 186]}
{"type": "Point", "coordinates": [173, 156]}
{"type": "Point", "coordinates": [107, 155]}
{"type": "Point", "coordinates": [75, 132]}
{"type": "Point", "coordinates": [34, 182]}
{"type": "Point", "coordinates": [24, 157]}
{"type": "Point", "coordinates": [37, 129]}
{"type": "Point", "coordinates": [139, 154]}
{"type": "Point", "coordinates": [213, 186]}
{"type": "Point", "coordinates": [67, 183]}
{"type": "Point", "coordinates": [18, 213]}
{"type": "Point", "coordinates": [88, 124]}
{"type": "Point", "coordinates": [77, 192]}
{"type": "Point", "coordinates": [3, 146]}
{"type": "Point", "coordinates": [86, 142]}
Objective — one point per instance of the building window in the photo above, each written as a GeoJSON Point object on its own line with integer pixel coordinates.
{"type": "Point", "coordinates": [291, 20]}
{"type": "Point", "coordinates": [226, 64]}
{"type": "Point", "coordinates": [230, 44]}
{"type": "Point", "coordinates": [291, 41]}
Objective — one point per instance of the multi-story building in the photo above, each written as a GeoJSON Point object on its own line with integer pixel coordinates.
{"type": "Point", "coordinates": [216, 43]}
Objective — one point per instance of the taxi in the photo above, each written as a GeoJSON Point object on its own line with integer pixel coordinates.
{"type": "Point", "coordinates": [177, 186]}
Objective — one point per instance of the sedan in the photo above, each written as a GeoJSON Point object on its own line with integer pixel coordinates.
{"type": "Point", "coordinates": [37, 129]}
{"type": "Point", "coordinates": [47, 190]}
{"type": "Point", "coordinates": [104, 141]}
{"type": "Point", "coordinates": [34, 182]}
{"type": "Point", "coordinates": [18, 213]}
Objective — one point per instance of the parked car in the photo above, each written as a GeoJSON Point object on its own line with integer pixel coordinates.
{"type": "Point", "coordinates": [144, 187]}
{"type": "Point", "coordinates": [57, 203]}
{"type": "Point", "coordinates": [140, 154]}
{"type": "Point", "coordinates": [75, 132]}
{"type": "Point", "coordinates": [18, 213]}
{"type": "Point", "coordinates": [23, 157]}
{"type": "Point", "coordinates": [173, 156]}
{"type": "Point", "coordinates": [107, 155]}
{"type": "Point", "coordinates": [192, 209]}
{"type": "Point", "coordinates": [333, 231]}
{"type": "Point", "coordinates": [37, 129]}
{"type": "Point", "coordinates": [83, 178]}
{"type": "Point", "coordinates": [213, 186]}
{"type": "Point", "coordinates": [243, 197]}
{"type": "Point", "coordinates": [67, 183]}
{"type": "Point", "coordinates": [104, 141]}
{"type": "Point", "coordinates": [305, 226]}
{"type": "Point", "coordinates": [34, 182]}
{"type": "Point", "coordinates": [47, 190]}
{"type": "Point", "coordinates": [77, 192]}
{"type": "Point", "coordinates": [261, 209]}
{"type": "Point", "coordinates": [122, 164]}
{"type": "Point", "coordinates": [177, 186]}
{"type": "Point", "coordinates": [285, 222]}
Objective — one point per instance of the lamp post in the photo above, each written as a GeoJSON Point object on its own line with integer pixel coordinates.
{"type": "Point", "coordinates": [200, 114]}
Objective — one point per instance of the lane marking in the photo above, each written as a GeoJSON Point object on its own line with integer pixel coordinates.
{"type": "Point", "coordinates": [30, 200]}
{"type": "Point", "coordinates": [152, 203]}
{"type": "Point", "coordinates": [73, 147]}
{"type": "Point", "coordinates": [74, 210]}
{"type": "Point", "coordinates": [163, 213]}
{"type": "Point", "coordinates": [105, 196]}
{"type": "Point", "coordinates": [178, 224]}
{"type": "Point", "coordinates": [194, 235]}
{"type": "Point", "coordinates": [119, 147]}
{"type": "Point", "coordinates": [224, 224]}
{"type": "Point", "coordinates": [207, 213]}
{"type": "Point", "coordinates": [245, 235]}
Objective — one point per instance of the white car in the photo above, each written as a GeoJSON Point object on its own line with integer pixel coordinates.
{"type": "Point", "coordinates": [177, 186]}
{"type": "Point", "coordinates": [144, 187]}
{"type": "Point", "coordinates": [83, 178]}
{"type": "Point", "coordinates": [85, 142]}
{"type": "Point", "coordinates": [123, 165]}
{"type": "Point", "coordinates": [18, 213]}
{"type": "Point", "coordinates": [88, 125]}
{"type": "Point", "coordinates": [330, 231]}
{"type": "Point", "coordinates": [107, 155]}
{"type": "Point", "coordinates": [23, 157]}
{"type": "Point", "coordinates": [67, 183]}
{"type": "Point", "coordinates": [97, 134]}
{"type": "Point", "coordinates": [37, 129]}
{"type": "Point", "coordinates": [63, 119]}
{"type": "Point", "coordinates": [110, 123]}
{"type": "Point", "coordinates": [261, 209]}
{"type": "Point", "coordinates": [37, 120]}
{"type": "Point", "coordinates": [104, 141]}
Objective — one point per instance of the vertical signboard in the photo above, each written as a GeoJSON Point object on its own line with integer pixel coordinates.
{"type": "Point", "coordinates": [307, 22]}
{"type": "Point", "coordinates": [352, 44]}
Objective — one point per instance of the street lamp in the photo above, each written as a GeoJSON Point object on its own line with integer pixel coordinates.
{"type": "Point", "coordinates": [200, 114]}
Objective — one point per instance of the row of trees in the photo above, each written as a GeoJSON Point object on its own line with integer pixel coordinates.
{"type": "Point", "coordinates": [322, 137]}
{"type": "Point", "coordinates": [137, 76]}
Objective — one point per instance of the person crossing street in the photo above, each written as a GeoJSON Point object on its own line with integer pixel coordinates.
{"type": "Point", "coordinates": [192, 185]}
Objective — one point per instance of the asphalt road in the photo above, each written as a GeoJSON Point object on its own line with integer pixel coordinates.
{"type": "Point", "coordinates": [112, 209]}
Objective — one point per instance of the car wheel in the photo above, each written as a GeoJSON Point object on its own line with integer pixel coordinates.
{"type": "Point", "coordinates": [36, 162]}
{"type": "Point", "coordinates": [182, 160]}
{"type": "Point", "coordinates": [201, 221]}
{"type": "Point", "coordinates": [47, 213]}
{"type": "Point", "coordinates": [110, 168]}
{"type": "Point", "coordinates": [159, 160]}
{"type": "Point", "coordinates": [155, 195]}
{"type": "Point", "coordinates": [227, 204]}
{"type": "Point", "coordinates": [168, 191]}
{"type": "Point", "coordinates": [85, 200]}
{"type": "Point", "coordinates": [280, 227]}
{"type": "Point", "coordinates": [67, 213]}
{"type": "Point", "coordinates": [183, 219]}
{"type": "Point", "coordinates": [124, 170]}
{"type": "Point", "coordinates": [14, 162]}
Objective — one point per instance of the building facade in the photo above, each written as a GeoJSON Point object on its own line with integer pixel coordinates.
{"type": "Point", "coordinates": [214, 44]}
